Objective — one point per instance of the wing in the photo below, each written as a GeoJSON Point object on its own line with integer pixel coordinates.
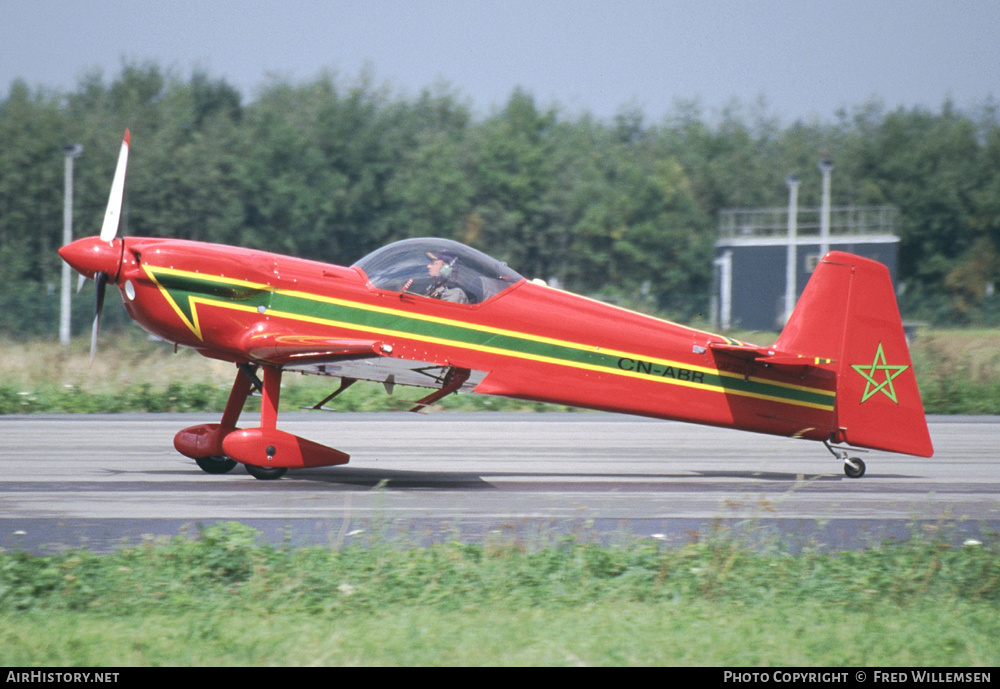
{"type": "Point", "coordinates": [391, 372]}
{"type": "Point", "coordinates": [284, 349]}
{"type": "Point", "coordinates": [443, 379]}
{"type": "Point", "coordinates": [354, 360]}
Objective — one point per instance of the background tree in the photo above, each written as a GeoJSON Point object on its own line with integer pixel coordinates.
{"type": "Point", "coordinates": [624, 209]}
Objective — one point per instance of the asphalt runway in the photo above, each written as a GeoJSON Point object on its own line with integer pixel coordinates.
{"type": "Point", "coordinates": [102, 481]}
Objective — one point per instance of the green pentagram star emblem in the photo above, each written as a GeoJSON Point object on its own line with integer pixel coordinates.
{"type": "Point", "coordinates": [889, 373]}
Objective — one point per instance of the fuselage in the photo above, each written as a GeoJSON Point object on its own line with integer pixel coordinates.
{"type": "Point", "coordinates": [531, 341]}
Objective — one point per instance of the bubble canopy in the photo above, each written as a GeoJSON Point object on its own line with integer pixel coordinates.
{"type": "Point", "coordinates": [403, 266]}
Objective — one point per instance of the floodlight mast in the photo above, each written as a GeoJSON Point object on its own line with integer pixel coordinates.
{"type": "Point", "coordinates": [825, 167]}
{"type": "Point", "coordinates": [71, 151]}
{"type": "Point", "coordinates": [790, 263]}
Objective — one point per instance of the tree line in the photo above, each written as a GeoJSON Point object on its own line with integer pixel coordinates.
{"type": "Point", "coordinates": [625, 209]}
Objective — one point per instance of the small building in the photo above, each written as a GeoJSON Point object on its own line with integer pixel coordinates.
{"type": "Point", "coordinates": [752, 255]}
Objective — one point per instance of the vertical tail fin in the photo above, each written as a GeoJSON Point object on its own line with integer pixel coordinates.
{"type": "Point", "coordinates": [848, 313]}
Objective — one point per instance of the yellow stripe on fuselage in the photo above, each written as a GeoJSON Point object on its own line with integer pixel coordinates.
{"type": "Point", "coordinates": [298, 294]}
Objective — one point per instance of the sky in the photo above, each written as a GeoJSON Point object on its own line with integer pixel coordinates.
{"type": "Point", "coordinates": [801, 59]}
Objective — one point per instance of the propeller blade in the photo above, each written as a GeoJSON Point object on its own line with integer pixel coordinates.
{"type": "Point", "coordinates": [100, 281]}
{"type": "Point", "coordinates": [112, 216]}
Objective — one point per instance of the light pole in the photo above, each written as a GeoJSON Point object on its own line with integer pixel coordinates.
{"type": "Point", "coordinates": [790, 261]}
{"type": "Point", "coordinates": [825, 166]}
{"type": "Point", "coordinates": [71, 151]}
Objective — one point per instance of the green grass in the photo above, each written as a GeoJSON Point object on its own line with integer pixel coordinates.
{"type": "Point", "coordinates": [959, 371]}
{"type": "Point", "coordinates": [222, 597]}
{"type": "Point", "coordinates": [632, 634]}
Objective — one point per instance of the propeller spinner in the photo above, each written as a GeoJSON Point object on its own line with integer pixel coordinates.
{"type": "Point", "coordinates": [100, 258]}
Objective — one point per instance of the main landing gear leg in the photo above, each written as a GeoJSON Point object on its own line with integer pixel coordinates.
{"type": "Point", "coordinates": [854, 467]}
{"type": "Point", "coordinates": [266, 452]}
{"type": "Point", "coordinates": [269, 421]}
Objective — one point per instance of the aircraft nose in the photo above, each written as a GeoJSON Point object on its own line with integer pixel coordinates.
{"type": "Point", "coordinates": [92, 255]}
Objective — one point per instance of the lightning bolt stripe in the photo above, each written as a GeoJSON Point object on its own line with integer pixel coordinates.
{"type": "Point", "coordinates": [185, 291]}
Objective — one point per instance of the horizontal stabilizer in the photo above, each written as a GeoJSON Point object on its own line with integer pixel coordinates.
{"type": "Point", "coordinates": [768, 356]}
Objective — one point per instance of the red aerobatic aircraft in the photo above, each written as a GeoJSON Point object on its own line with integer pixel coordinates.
{"type": "Point", "coordinates": [436, 314]}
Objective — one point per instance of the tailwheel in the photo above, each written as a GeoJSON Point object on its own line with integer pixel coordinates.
{"type": "Point", "coordinates": [265, 473]}
{"type": "Point", "coordinates": [854, 467]}
{"type": "Point", "coordinates": [216, 465]}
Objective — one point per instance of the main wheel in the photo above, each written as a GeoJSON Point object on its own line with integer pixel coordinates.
{"type": "Point", "coordinates": [265, 473]}
{"type": "Point", "coordinates": [854, 467]}
{"type": "Point", "coordinates": [216, 465]}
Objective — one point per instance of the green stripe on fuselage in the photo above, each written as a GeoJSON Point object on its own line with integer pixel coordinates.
{"type": "Point", "coordinates": [183, 286]}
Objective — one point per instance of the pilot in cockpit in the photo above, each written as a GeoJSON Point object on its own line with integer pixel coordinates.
{"type": "Point", "coordinates": [443, 271]}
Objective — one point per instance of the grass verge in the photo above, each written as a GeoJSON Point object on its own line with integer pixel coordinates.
{"type": "Point", "coordinates": [221, 597]}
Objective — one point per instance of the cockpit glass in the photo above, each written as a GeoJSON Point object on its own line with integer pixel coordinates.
{"type": "Point", "coordinates": [404, 267]}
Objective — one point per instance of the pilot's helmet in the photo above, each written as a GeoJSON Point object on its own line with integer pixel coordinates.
{"type": "Point", "coordinates": [449, 257]}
